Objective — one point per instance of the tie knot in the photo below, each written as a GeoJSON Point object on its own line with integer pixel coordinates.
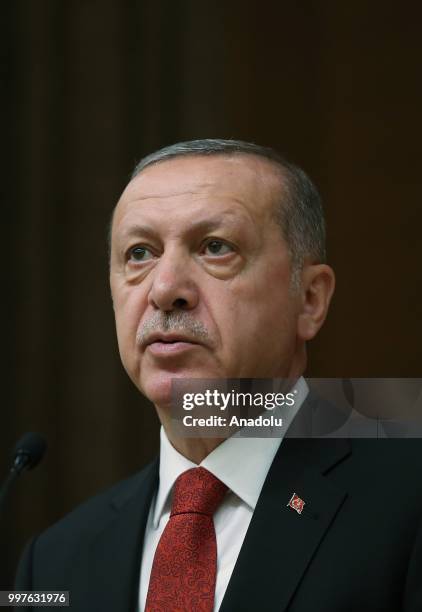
{"type": "Point", "coordinates": [198, 491]}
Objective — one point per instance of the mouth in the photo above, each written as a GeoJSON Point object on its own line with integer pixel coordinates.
{"type": "Point", "coordinates": [169, 344]}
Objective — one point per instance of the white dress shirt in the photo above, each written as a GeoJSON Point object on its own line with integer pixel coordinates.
{"type": "Point", "coordinates": [242, 464]}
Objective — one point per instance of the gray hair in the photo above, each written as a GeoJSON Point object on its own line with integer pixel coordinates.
{"type": "Point", "coordinates": [299, 209]}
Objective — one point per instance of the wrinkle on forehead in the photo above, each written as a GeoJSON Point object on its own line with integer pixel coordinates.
{"type": "Point", "coordinates": [173, 193]}
{"type": "Point", "coordinates": [250, 181]}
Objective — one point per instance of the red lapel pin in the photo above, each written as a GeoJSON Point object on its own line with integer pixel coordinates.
{"type": "Point", "coordinates": [296, 503]}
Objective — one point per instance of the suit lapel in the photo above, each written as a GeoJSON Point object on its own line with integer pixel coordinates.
{"type": "Point", "coordinates": [280, 543]}
{"type": "Point", "coordinates": [110, 568]}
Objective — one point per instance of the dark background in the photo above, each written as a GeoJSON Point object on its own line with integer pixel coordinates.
{"type": "Point", "coordinates": [91, 86]}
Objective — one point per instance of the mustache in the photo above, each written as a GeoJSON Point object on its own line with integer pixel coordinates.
{"type": "Point", "coordinates": [172, 321]}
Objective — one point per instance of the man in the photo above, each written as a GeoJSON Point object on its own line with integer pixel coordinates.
{"type": "Point", "coordinates": [218, 271]}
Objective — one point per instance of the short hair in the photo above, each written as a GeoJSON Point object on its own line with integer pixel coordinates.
{"type": "Point", "coordinates": [299, 209]}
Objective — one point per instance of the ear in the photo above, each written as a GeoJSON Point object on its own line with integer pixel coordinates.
{"type": "Point", "coordinates": [318, 282]}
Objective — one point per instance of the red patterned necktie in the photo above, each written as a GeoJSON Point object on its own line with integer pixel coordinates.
{"type": "Point", "coordinates": [185, 562]}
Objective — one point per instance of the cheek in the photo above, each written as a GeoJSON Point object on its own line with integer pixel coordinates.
{"type": "Point", "coordinates": [264, 296]}
{"type": "Point", "coordinates": [128, 308]}
{"type": "Point", "coordinates": [255, 311]}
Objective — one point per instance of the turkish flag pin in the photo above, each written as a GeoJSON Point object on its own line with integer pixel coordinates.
{"type": "Point", "coordinates": [296, 503]}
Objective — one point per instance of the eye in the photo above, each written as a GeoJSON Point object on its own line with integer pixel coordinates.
{"type": "Point", "coordinates": [217, 247]}
{"type": "Point", "coordinates": [139, 253]}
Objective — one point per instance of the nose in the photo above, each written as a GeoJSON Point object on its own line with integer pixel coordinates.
{"type": "Point", "coordinates": [173, 286]}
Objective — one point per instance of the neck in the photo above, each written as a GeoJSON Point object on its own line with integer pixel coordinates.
{"type": "Point", "coordinates": [194, 449]}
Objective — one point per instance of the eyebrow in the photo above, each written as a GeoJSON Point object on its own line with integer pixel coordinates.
{"type": "Point", "coordinates": [137, 230]}
{"type": "Point", "coordinates": [196, 226]}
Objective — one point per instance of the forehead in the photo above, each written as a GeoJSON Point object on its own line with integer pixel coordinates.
{"type": "Point", "coordinates": [241, 185]}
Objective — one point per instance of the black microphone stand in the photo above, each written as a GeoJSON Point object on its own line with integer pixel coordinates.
{"type": "Point", "coordinates": [20, 462]}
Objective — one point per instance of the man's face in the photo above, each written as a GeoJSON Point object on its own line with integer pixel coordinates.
{"type": "Point", "coordinates": [200, 274]}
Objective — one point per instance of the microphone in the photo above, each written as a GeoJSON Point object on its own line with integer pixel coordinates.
{"type": "Point", "coordinates": [27, 454]}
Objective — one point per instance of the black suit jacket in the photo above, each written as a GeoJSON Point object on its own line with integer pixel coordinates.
{"type": "Point", "coordinates": [357, 546]}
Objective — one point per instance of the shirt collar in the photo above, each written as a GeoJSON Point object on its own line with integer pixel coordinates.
{"type": "Point", "coordinates": [241, 463]}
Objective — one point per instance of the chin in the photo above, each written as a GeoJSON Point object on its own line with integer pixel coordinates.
{"type": "Point", "coordinates": [157, 385]}
{"type": "Point", "coordinates": [158, 392]}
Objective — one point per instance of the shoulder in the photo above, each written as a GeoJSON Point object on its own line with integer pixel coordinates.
{"type": "Point", "coordinates": [73, 549]}
{"type": "Point", "coordinates": [395, 455]}
{"type": "Point", "coordinates": [93, 515]}
{"type": "Point", "coordinates": [385, 473]}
